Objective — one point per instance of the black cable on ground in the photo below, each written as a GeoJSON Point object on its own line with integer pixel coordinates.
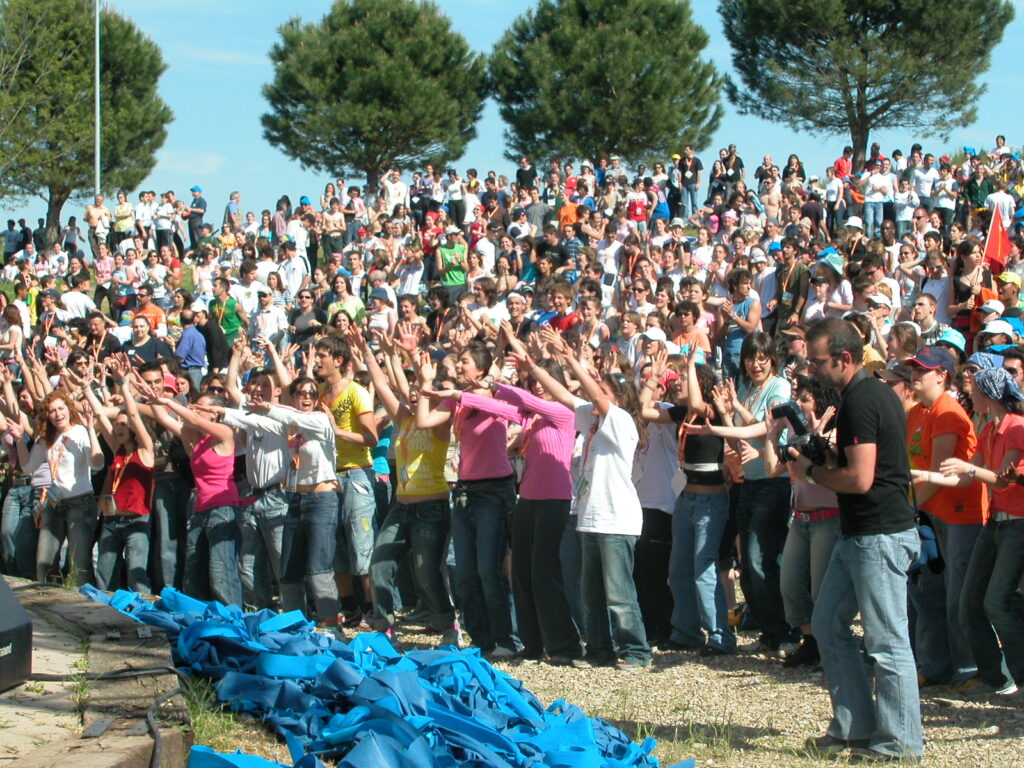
{"type": "Point", "coordinates": [154, 727]}
{"type": "Point", "coordinates": [122, 674]}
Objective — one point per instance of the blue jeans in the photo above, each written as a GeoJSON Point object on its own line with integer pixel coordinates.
{"type": "Point", "coordinates": [869, 574]}
{"type": "Point", "coordinates": [262, 524]}
{"type": "Point", "coordinates": [308, 541]}
{"type": "Point", "coordinates": [690, 202]}
{"type": "Point", "coordinates": [421, 528]}
{"type": "Point", "coordinates": [762, 519]}
{"type": "Point", "coordinates": [480, 538]}
{"type": "Point", "coordinates": [609, 599]}
{"type": "Point", "coordinates": [73, 518]}
{"type": "Point", "coordinates": [357, 506]}
{"type": "Point", "coordinates": [124, 540]}
{"type": "Point", "coordinates": [211, 559]}
{"type": "Point", "coordinates": [805, 558]}
{"type": "Point", "coordinates": [986, 603]}
{"type": "Point", "coordinates": [697, 593]}
{"type": "Point", "coordinates": [18, 532]}
{"type": "Point", "coordinates": [569, 554]}
{"type": "Point", "coordinates": [943, 652]}
{"type": "Point", "coordinates": [168, 525]}
{"type": "Point", "coordinates": [872, 219]}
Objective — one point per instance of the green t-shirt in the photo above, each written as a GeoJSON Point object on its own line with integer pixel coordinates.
{"type": "Point", "coordinates": [226, 315]}
{"type": "Point", "coordinates": [454, 255]}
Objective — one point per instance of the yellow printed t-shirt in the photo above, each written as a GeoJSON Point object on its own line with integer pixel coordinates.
{"type": "Point", "coordinates": [353, 401]}
{"type": "Point", "coordinates": [420, 460]}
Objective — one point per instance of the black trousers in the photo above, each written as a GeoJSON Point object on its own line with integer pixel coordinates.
{"type": "Point", "coordinates": [542, 611]}
{"type": "Point", "coordinates": [650, 574]}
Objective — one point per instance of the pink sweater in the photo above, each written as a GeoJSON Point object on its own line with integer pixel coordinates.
{"type": "Point", "coordinates": [548, 440]}
{"type": "Point", "coordinates": [481, 429]}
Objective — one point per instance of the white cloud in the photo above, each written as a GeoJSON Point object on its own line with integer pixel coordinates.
{"type": "Point", "coordinates": [188, 163]}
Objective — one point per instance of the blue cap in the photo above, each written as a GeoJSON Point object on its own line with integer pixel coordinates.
{"type": "Point", "coordinates": [775, 246]}
{"type": "Point", "coordinates": [954, 338]}
{"type": "Point", "coordinates": [196, 188]}
{"type": "Point", "coordinates": [304, 200]}
{"type": "Point", "coordinates": [933, 358]}
{"type": "Point", "coordinates": [835, 261]}
{"type": "Point", "coordinates": [970, 151]}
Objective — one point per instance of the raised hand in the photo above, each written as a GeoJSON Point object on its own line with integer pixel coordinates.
{"type": "Point", "coordinates": [816, 424]}
{"type": "Point", "coordinates": [659, 363]}
{"type": "Point", "coordinates": [408, 336]}
{"type": "Point", "coordinates": [425, 369]}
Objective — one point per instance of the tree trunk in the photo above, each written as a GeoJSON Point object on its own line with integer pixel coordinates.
{"type": "Point", "coordinates": [859, 132]}
{"type": "Point", "coordinates": [54, 207]}
{"type": "Point", "coordinates": [373, 175]}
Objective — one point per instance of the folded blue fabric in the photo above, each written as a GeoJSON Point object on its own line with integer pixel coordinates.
{"type": "Point", "coordinates": [363, 703]}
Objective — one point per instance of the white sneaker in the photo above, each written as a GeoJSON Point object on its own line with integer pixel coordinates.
{"type": "Point", "coordinates": [788, 649]}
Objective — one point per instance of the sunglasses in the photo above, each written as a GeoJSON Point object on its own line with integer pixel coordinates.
{"type": "Point", "coordinates": [216, 390]}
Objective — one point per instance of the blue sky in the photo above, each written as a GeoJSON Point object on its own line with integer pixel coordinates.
{"type": "Point", "coordinates": [216, 51]}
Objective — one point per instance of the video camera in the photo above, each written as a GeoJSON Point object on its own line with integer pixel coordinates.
{"type": "Point", "coordinates": [813, 446]}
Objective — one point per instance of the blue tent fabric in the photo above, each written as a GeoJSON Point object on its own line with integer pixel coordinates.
{"type": "Point", "coordinates": [363, 703]}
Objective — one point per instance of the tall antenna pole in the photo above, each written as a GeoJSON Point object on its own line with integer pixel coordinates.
{"type": "Point", "coordinates": [96, 106]}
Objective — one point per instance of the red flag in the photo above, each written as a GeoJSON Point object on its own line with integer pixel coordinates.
{"type": "Point", "coordinates": [997, 246]}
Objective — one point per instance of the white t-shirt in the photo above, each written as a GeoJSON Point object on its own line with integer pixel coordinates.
{"type": "Point", "coordinates": [654, 467]}
{"type": "Point", "coordinates": [409, 276]}
{"type": "Point", "coordinates": [69, 455]}
{"type": "Point", "coordinates": [877, 188]}
{"type": "Point", "coordinates": [607, 500]}
{"type": "Point", "coordinates": [923, 181]}
{"type": "Point", "coordinates": [292, 271]}
{"type": "Point", "coordinates": [906, 203]}
{"type": "Point", "coordinates": [78, 304]}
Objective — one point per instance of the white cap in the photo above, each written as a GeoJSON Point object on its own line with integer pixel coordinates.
{"type": "Point", "coordinates": [998, 326]}
{"type": "Point", "coordinates": [993, 305]}
{"type": "Point", "coordinates": [654, 334]}
{"type": "Point", "coordinates": [855, 221]}
{"type": "Point", "coordinates": [880, 298]}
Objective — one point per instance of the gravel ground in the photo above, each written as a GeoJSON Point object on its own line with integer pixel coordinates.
{"type": "Point", "coordinates": [747, 711]}
{"type": "Point", "coordinates": [743, 711]}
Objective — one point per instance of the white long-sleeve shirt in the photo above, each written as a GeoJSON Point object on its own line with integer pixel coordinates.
{"type": "Point", "coordinates": [311, 441]}
{"type": "Point", "coordinates": [266, 448]}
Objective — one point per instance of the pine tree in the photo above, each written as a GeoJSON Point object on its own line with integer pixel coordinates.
{"type": "Point", "coordinates": [374, 84]}
{"type": "Point", "coordinates": [854, 66]}
{"type": "Point", "coordinates": [46, 102]}
{"type": "Point", "coordinates": [582, 78]}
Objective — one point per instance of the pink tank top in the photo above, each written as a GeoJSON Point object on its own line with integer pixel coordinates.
{"type": "Point", "coordinates": [214, 474]}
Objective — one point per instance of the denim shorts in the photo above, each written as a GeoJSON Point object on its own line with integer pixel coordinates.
{"type": "Point", "coordinates": [357, 505]}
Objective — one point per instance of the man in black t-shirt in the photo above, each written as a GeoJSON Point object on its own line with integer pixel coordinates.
{"type": "Point", "coordinates": [867, 573]}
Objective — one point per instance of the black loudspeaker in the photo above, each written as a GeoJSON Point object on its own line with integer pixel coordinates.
{"type": "Point", "coordinates": [15, 639]}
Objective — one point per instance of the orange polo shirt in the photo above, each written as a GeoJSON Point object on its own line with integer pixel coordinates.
{"type": "Point", "coordinates": [957, 506]}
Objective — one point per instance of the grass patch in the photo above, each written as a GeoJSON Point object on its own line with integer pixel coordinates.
{"type": "Point", "coordinates": [80, 686]}
{"type": "Point", "coordinates": [224, 731]}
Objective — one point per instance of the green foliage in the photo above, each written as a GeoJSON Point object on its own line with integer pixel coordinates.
{"type": "Point", "coordinates": [581, 78]}
{"type": "Point", "coordinates": [373, 84]}
{"type": "Point", "coordinates": [853, 66]}
{"type": "Point", "coordinates": [46, 105]}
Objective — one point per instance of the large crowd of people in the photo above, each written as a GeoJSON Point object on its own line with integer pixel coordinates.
{"type": "Point", "coordinates": [557, 417]}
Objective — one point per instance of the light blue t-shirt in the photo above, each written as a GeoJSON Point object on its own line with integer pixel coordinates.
{"type": "Point", "coordinates": [759, 401]}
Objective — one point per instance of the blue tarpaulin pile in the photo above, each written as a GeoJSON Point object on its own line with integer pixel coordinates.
{"type": "Point", "coordinates": [362, 703]}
